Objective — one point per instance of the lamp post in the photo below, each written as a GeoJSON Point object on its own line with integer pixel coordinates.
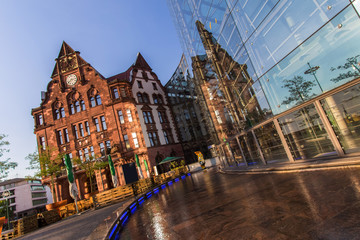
{"type": "Point", "coordinates": [6, 194]}
{"type": "Point", "coordinates": [312, 71]}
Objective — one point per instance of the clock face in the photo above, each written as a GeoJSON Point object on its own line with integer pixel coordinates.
{"type": "Point", "coordinates": [71, 79]}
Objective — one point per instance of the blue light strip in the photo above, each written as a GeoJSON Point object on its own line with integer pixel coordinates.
{"type": "Point", "coordinates": [124, 214]}
{"type": "Point", "coordinates": [113, 230]}
{"type": "Point", "coordinates": [140, 201]}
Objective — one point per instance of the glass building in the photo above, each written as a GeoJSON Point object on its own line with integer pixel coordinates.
{"type": "Point", "coordinates": [280, 79]}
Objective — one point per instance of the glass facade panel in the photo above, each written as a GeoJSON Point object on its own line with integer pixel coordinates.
{"type": "Point", "coordinates": [270, 143]}
{"type": "Point", "coordinates": [305, 134]}
{"type": "Point", "coordinates": [343, 111]}
{"type": "Point", "coordinates": [249, 148]}
{"type": "Point", "coordinates": [321, 64]}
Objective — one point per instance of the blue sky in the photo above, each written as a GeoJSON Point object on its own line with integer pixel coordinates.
{"type": "Point", "coordinates": [108, 35]}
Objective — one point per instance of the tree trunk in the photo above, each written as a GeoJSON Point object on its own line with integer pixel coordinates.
{"type": "Point", "coordinates": [53, 189]}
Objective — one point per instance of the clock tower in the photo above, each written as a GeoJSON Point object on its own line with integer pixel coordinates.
{"type": "Point", "coordinates": [68, 70]}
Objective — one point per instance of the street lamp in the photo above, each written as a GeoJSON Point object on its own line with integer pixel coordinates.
{"type": "Point", "coordinates": [6, 194]}
{"type": "Point", "coordinates": [312, 71]}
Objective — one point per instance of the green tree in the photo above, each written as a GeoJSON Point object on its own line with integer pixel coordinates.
{"type": "Point", "coordinates": [46, 164]}
{"type": "Point", "coordinates": [90, 165]}
{"type": "Point", "coordinates": [5, 165]}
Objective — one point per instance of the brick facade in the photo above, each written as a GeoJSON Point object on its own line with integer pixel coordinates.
{"type": "Point", "coordinates": [83, 113]}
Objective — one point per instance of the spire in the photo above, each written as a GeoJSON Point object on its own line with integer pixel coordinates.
{"type": "Point", "coordinates": [141, 63]}
{"type": "Point", "coordinates": [67, 60]}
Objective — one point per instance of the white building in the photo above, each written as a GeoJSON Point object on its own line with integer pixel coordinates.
{"type": "Point", "coordinates": [26, 196]}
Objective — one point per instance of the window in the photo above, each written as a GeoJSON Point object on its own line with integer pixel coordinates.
{"type": "Point", "coordinates": [81, 130]}
{"type": "Point", "coordinates": [83, 107]}
{"type": "Point", "coordinates": [128, 112]}
{"type": "Point", "coordinates": [39, 119]}
{"type": "Point", "coordinates": [140, 98]}
{"type": "Point", "coordinates": [153, 139]}
{"type": "Point", "coordinates": [121, 117]}
{"type": "Point", "coordinates": [187, 115]}
{"type": "Point", "coordinates": [66, 135]}
{"type": "Point", "coordinates": [155, 99]}
{"type": "Point", "coordinates": [115, 93]}
{"type": "Point", "coordinates": [76, 132]}
{"type": "Point", "coordinates": [122, 92]}
{"type": "Point", "coordinates": [108, 146]}
{"type": "Point", "coordinates": [217, 115]}
{"type": "Point", "coordinates": [59, 137]}
{"type": "Point", "coordinates": [168, 136]}
{"type": "Point", "coordinates": [38, 194]}
{"type": "Point", "coordinates": [92, 151]}
{"type": "Point", "coordinates": [37, 188]}
{"type": "Point", "coordinates": [42, 143]}
{"type": "Point", "coordinates": [147, 117]}
{"type": "Point", "coordinates": [39, 202]}
{"type": "Point", "coordinates": [57, 114]}
{"type": "Point", "coordinates": [103, 123]}
{"type": "Point", "coordinates": [154, 86]}
{"type": "Point", "coordinates": [86, 153]}
{"type": "Point", "coordinates": [77, 106]}
{"type": "Point", "coordinates": [96, 121]}
{"type": "Point", "coordinates": [126, 140]}
{"type": "Point", "coordinates": [146, 98]}
{"type": "Point", "coordinates": [92, 102]}
{"type": "Point", "coordinates": [80, 155]}
{"type": "Point", "coordinates": [102, 149]}
{"type": "Point", "coordinates": [136, 143]}
{"type": "Point", "coordinates": [87, 127]}
{"type": "Point", "coordinates": [160, 99]}
{"type": "Point", "coordinates": [162, 117]}
{"type": "Point", "coordinates": [98, 99]}
{"type": "Point", "coordinates": [139, 84]}
{"type": "Point", "coordinates": [72, 109]}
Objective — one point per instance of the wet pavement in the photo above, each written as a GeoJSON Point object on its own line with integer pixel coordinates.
{"type": "Point", "coordinates": [322, 204]}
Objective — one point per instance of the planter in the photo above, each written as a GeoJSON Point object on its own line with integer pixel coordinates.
{"type": "Point", "coordinates": [56, 205]}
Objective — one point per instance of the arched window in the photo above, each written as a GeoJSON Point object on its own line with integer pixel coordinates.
{"type": "Point", "coordinates": [155, 99]}
{"type": "Point", "coordinates": [98, 99]}
{"type": "Point", "coordinates": [92, 102]}
{"type": "Point", "coordinates": [72, 109]}
{"type": "Point", "coordinates": [62, 112]}
{"type": "Point", "coordinates": [82, 102]}
{"type": "Point", "coordinates": [77, 106]}
{"type": "Point", "coordinates": [140, 98]}
{"type": "Point", "coordinates": [146, 98]}
{"type": "Point", "coordinates": [57, 114]}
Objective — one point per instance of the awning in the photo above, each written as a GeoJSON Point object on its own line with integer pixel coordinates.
{"type": "Point", "coordinates": [170, 159]}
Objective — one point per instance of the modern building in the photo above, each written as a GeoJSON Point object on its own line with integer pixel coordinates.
{"type": "Point", "coordinates": [280, 79]}
{"type": "Point", "coordinates": [84, 114]}
{"type": "Point", "coordinates": [26, 197]}
{"type": "Point", "coordinates": [189, 118]}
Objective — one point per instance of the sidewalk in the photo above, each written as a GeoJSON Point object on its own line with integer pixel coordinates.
{"type": "Point", "coordinates": [297, 166]}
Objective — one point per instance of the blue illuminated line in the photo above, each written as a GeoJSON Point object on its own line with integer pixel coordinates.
{"type": "Point", "coordinates": [141, 202]}
{"type": "Point", "coordinates": [176, 179]}
{"type": "Point", "coordinates": [123, 222]}
{"type": "Point", "coordinates": [133, 205]}
{"type": "Point", "coordinates": [188, 174]}
{"type": "Point", "coordinates": [170, 182]}
{"type": "Point", "coordinates": [183, 176]}
{"type": "Point", "coordinates": [124, 214]}
{"type": "Point", "coordinates": [133, 210]}
{"type": "Point", "coordinates": [149, 194]}
{"type": "Point", "coordinates": [156, 189]}
{"type": "Point", "coordinates": [140, 199]}
{"type": "Point", "coordinates": [163, 186]}
{"type": "Point", "coordinates": [113, 230]}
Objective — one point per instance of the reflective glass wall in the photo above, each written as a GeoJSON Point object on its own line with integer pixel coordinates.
{"type": "Point", "coordinates": [278, 75]}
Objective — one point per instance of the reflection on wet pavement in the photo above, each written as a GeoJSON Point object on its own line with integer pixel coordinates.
{"type": "Point", "coordinates": [320, 204]}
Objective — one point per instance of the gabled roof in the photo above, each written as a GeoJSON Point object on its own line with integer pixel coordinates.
{"type": "Point", "coordinates": [141, 63]}
{"type": "Point", "coordinates": [121, 76]}
{"type": "Point", "coordinates": [65, 50]}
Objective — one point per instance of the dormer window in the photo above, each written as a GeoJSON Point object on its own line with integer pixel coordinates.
{"type": "Point", "coordinates": [98, 99]}
{"type": "Point", "coordinates": [39, 119]}
{"type": "Point", "coordinates": [58, 110]}
{"type": "Point", "coordinates": [94, 97]}
{"type": "Point", "coordinates": [139, 84]}
{"type": "Point", "coordinates": [115, 93]}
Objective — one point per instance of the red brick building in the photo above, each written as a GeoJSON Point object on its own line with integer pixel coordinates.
{"type": "Point", "coordinates": [82, 113]}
